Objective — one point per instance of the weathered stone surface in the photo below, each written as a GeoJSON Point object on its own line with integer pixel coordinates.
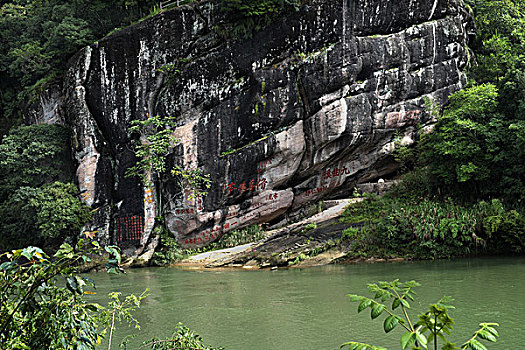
{"type": "Point", "coordinates": [46, 108]}
{"type": "Point", "coordinates": [304, 110]}
{"type": "Point", "coordinates": [296, 243]}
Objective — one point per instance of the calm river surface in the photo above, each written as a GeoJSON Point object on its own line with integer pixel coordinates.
{"type": "Point", "coordinates": [293, 309]}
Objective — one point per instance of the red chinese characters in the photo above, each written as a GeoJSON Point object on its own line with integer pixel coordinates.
{"type": "Point", "coordinates": [232, 214]}
{"type": "Point", "coordinates": [211, 234]}
{"type": "Point", "coordinates": [253, 185]}
{"type": "Point", "coordinates": [231, 187]}
{"type": "Point", "coordinates": [315, 190]}
{"type": "Point", "coordinates": [272, 196]}
{"type": "Point", "coordinates": [262, 165]}
{"type": "Point", "coordinates": [242, 187]}
{"type": "Point", "coordinates": [335, 172]}
{"type": "Point", "coordinates": [185, 211]}
{"type": "Point", "coordinates": [262, 183]}
{"type": "Point", "coordinates": [198, 201]}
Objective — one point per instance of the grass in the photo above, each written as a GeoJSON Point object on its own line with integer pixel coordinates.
{"type": "Point", "coordinates": [171, 252]}
{"type": "Point", "coordinates": [153, 12]}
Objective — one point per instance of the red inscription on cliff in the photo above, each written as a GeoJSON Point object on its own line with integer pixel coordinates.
{"type": "Point", "coordinates": [253, 185]}
{"type": "Point", "coordinates": [262, 165]}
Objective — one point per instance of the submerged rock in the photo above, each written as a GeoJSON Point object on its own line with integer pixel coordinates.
{"type": "Point", "coordinates": [304, 110]}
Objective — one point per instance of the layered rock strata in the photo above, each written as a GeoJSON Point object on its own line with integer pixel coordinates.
{"type": "Point", "coordinates": [304, 110]}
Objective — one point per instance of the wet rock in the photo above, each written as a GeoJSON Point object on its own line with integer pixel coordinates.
{"type": "Point", "coordinates": [304, 110]}
{"type": "Point", "coordinates": [396, 260]}
{"type": "Point", "coordinates": [45, 107]}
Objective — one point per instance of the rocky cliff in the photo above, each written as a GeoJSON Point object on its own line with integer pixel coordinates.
{"type": "Point", "coordinates": [305, 109]}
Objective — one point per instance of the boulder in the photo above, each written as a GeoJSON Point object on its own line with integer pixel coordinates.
{"type": "Point", "coordinates": [301, 111]}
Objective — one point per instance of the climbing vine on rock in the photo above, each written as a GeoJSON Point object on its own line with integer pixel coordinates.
{"type": "Point", "coordinates": [156, 143]}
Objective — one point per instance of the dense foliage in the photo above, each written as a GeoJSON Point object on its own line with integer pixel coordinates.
{"type": "Point", "coordinates": [38, 205]}
{"type": "Point", "coordinates": [33, 155]}
{"type": "Point", "coordinates": [37, 37]}
{"type": "Point", "coordinates": [424, 228]}
{"type": "Point", "coordinates": [434, 326]}
{"type": "Point", "coordinates": [45, 215]}
{"type": "Point", "coordinates": [475, 151]}
{"type": "Point", "coordinates": [43, 303]}
{"type": "Point", "coordinates": [477, 148]}
{"type": "Point", "coordinates": [39, 312]}
{"type": "Point", "coordinates": [465, 190]}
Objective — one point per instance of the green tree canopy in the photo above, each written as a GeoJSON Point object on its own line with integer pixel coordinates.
{"type": "Point", "coordinates": [44, 215]}
{"type": "Point", "coordinates": [474, 151]}
{"type": "Point", "coordinates": [37, 204]}
{"type": "Point", "coordinates": [33, 155]}
{"type": "Point", "coordinates": [37, 37]}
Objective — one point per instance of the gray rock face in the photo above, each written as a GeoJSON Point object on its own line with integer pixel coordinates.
{"type": "Point", "coordinates": [302, 111]}
{"type": "Point", "coordinates": [46, 108]}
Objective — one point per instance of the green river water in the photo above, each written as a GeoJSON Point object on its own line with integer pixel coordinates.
{"type": "Point", "coordinates": [292, 309]}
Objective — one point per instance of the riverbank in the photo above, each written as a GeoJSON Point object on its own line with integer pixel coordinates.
{"type": "Point", "coordinates": [313, 241]}
{"type": "Point", "coordinates": [392, 228]}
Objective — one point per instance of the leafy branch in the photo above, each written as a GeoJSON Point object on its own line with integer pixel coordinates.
{"type": "Point", "coordinates": [486, 332]}
{"type": "Point", "coordinates": [157, 140]}
{"type": "Point", "coordinates": [194, 180]}
{"type": "Point", "coordinates": [118, 310]}
{"type": "Point", "coordinates": [432, 325]}
{"type": "Point", "coordinates": [35, 312]}
{"type": "Point", "coordinates": [182, 339]}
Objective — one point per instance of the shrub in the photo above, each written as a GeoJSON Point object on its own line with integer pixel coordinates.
{"type": "Point", "coordinates": [426, 228]}
{"type": "Point", "coordinates": [432, 326]}
{"type": "Point", "coordinates": [33, 155]}
{"type": "Point", "coordinates": [349, 233]}
{"type": "Point", "coordinates": [44, 215]}
{"type": "Point", "coordinates": [39, 310]}
{"type": "Point", "coordinates": [42, 303]}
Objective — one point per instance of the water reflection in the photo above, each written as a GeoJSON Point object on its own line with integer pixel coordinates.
{"type": "Point", "coordinates": [306, 308]}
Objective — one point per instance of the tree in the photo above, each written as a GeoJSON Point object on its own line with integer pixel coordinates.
{"type": "Point", "coordinates": [32, 156]}
{"type": "Point", "coordinates": [40, 311]}
{"type": "Point", "coordinates": [37, 38]}
{"type": "Point", "coordinates": [45, 215]}
{"type": "Point", "coordinates": [472, 152]}
{"type": "Point", "coordinates": [476, 150]}
{"type": "Point", "coordinates": [37, 205]}
{"type": "Point", "coordinates": [156, 142]}
{"type": "Point", "coordinates": [500, 48]}
{"type": "Point", "coordinates": [42, 303]}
